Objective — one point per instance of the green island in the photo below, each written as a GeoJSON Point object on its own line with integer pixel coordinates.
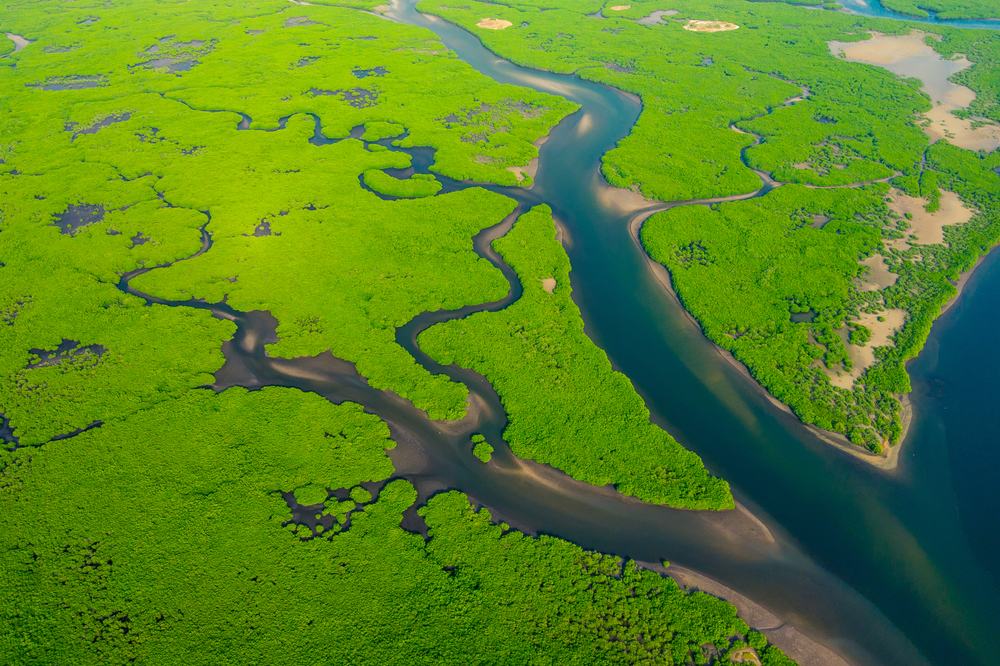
{"type": "Point", "coordinates": [603, 434]}
{"type": "Point", "coordinates": [826, 286]}
{"type": "Point", "coordinates": [202, 152]}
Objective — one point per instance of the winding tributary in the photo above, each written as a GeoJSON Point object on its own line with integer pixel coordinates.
{"type": "Point", "coordinates": [871, 564]}
{"type": "Point", "coordinates": [894, 537]}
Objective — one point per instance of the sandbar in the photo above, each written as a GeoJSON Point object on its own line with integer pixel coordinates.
{"type": "Point", "coordinates": [910, 56]}
{"type": "Point", "coordinates": [709, 26]}
{"type": "Point", "coordinates": [494, 24]}
{"type": "Point", "coordinates": [927, 227]}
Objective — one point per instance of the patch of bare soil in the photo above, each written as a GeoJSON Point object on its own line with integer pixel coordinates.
{"type": "Point", "coordinates": [709, 26]}
{"type": "Point", "coordinates": [494, 24]}
{"type": "Point", "coordinates": [928, 227]}
{"type": "Point", "coordinates": [863, 358]}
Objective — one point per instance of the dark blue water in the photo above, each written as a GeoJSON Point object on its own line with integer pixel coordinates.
{"type": "Point", "coordinates": [874, 8]}
{"type": "Point", "coordinates": [914, 543]}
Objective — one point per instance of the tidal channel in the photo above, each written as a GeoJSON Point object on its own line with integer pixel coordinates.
{"type": "Point", "coordinates": [874, 565]}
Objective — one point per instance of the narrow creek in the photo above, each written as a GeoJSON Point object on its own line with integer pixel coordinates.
{"type": "Point", "coordinates": [873, 566]}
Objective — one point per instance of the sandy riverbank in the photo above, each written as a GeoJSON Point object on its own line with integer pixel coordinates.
{"type": "Point", "coordinates": [532, 168]}
{"type": "Point", "coordinates": [792, 642]}
{"type": "Point", "coordinates": [886, 461]}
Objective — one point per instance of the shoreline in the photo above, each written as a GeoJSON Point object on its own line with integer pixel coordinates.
{"type": "Point", "coordinates": [889, 460]}
{"type": "Point", "coordinates": [780, 633]}
{"type": "Point", "coordinates": [886, 462]}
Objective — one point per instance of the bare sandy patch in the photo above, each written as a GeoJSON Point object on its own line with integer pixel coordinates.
{"type": "Point", "coordinates": [879, 276]}
{"type": "Point", "coordinates": [585, 125]}
{"type": "Point", "coordinates": [709, 26]}
{"type": "Point", "coordinates": [381, 9]}
{"type": "Point", "coordinates": [863, 358]}
{"type": "Point", "coordinates": [19, 41]}
{"type": "Point", "coordinates": [532, 168]}
{"type": "Point", "coordinates": [909, 56]}
{"type": "Point", "coordinates": [620, 8]}
{"type": "Point", "coordinates": [549, 284]}
{"type": "Point", "coordinates": [494, 24]}
{"type": "Point", "coordinates": [928, 227]}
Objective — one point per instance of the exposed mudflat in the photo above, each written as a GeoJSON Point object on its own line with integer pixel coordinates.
{"type": "Point", "coordinates": [911, 56]}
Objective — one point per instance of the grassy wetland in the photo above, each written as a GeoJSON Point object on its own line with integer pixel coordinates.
{"type": "Point", "coordinates": [204, 154]}
{"type": "Point", "coordinates": [845, 141]}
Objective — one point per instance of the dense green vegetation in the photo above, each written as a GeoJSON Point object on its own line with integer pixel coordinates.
{"type": "Point", "coordinates": [945, 9]}
{"type": "Point", "coordinates": [138, 147]}
{"type": "Point", "coordinates": [603, 434]}
{"type": "Point", "coordinates": [805, 117]}
{"type": "Point", "coordinates": [419, 185]}
{"type": "Point", "coordinates": [854, 125]}
{"type": "Point", "coordinates": [146, 519]}
{"type": "Point", "coordinates": [165, 540]}
{"type": "Point", "coordinates": [481, 448]}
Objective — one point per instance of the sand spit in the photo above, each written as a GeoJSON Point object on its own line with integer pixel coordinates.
{"type": "Point", "coordinates": [927, 227]}
{"type": "Point", "coordinates": [549, 284]}
{"type": "Point", "coordinates": [494, 24]}
{"type": "Point", "coordinates": [910, 56]}
{"type": "Point", "coordinates": [879, 276]}
{"type": "Point", "coordinates": [709, 26]}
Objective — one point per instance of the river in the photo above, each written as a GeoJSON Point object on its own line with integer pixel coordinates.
{"type": "Point", "coordinates": [873, 564]}
{"type": "Point", "coordinates": [895, 538]}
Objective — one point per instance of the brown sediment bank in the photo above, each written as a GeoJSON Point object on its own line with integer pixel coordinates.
{"type": "Point", "coordinates": [19, 41]}
{"type": "Point", "coordinates": [910, 56]}
{"type": "Point", "coordinates": [793, 643]}
{"type": "Point", "coordinates": [863, 357]}
{"type": "Point", "coordinates": [879, 276]}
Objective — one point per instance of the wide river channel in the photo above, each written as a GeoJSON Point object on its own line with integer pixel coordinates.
{"type": "Point", "coordinates": [881, 567]}
{"type": "Point", "coordinates": [895, 567]}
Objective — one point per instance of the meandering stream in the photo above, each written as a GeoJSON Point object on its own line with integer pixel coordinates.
{"type": "Point", "coordinates": [871, 564]}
